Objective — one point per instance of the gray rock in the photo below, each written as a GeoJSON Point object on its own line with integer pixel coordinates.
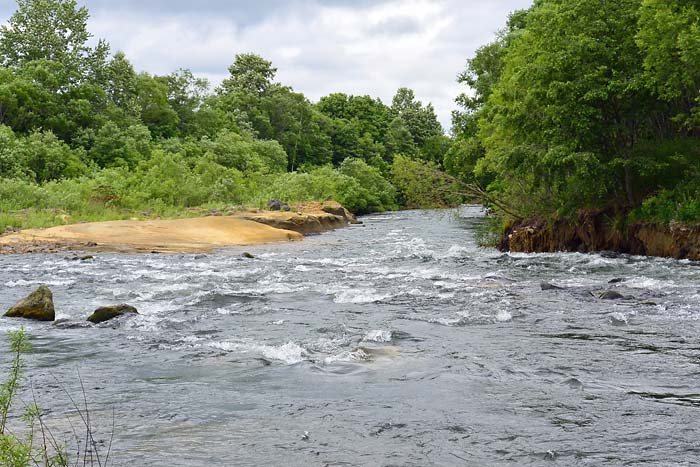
{"type": "Point", "coordinates": [106, 313]}
{"type": "Point", "coordinates": [611, 295]}
{"type": "Point", "coordinates": [37, 306]}
{"type": "Point", "coordinates": [548, 286]}
{"type": "Point", "coordinates": [277, 205]}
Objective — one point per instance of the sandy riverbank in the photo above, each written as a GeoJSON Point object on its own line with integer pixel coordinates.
{"type": "Point", "coordinates": [192, 235]}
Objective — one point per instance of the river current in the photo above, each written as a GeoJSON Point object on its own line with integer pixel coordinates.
{"type": "Point", "coordinates": [396, 343]}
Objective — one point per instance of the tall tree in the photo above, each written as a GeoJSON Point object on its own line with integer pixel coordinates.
{"type": "Point", "coordinates": [420, 120]}
{"type": "Point", "coordinates": [251, 74]}
{"type": "Point", "coordinates": [570, 102]}
{"type": "Point", "coordinates": [669, 36]}
{"type": "Point", "coordinates": [55, 31]}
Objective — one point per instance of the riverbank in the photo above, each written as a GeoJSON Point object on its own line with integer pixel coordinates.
{"type": "Point", "coordinates": [188, 235]}
{"type": "Point", "coordinates": [595, 231]}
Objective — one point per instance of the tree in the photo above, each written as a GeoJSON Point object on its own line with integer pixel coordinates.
{"type": "Point", "coordinates": [399, 139]}
{"type": "Point", "coordinates": [250, 74]}
{"type": "Point", "coordinates": [123, 85]}
{"type": "Point", "coordinates": [669, 37]}
{"type": "Point", "coordinates": [156, 112]}
{"type": "Point", "coordinates": [53, 30]}
{"type": "Point", "coordinates": [570, 103]}
{"type": "Point", "coordinates": [420, 120]}
{"type": "Point", "coordinates": [481, 75]}
{"type": "Point", "coordinates": [186, 94]}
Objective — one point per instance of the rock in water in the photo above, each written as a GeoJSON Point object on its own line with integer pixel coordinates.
{"type": "Point", "coordinates": [611, 295]}
{"type": "Point", "coordinates": [248, 255]}
{"type": "Point", "coordinates": [106, 313]}
{"type": "Point", "coordinates": [37, 306]}
{"type": "Point", "coordinates": [548, 286]}
{"type": "Point", "coordinates": [277, 205]}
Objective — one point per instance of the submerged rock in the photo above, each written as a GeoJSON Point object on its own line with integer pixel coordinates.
{"type": "Point", "coordinates": [277, 205]}
{"type": "Point", "coordinates": [106, 313]}
{"type": "Point", "coordinates": [37, 306]}
{"type": "Point", "coordinates": [68, 324]}
{"type": "Point", "coordinates": [611, 295]}
{"type": "Point", "coordinates": [548, 286]}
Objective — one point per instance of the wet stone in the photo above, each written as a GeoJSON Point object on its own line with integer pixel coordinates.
{"type": "Point", "coordinates": [109, 312]}
{"type": "Point", "coordinates": [36, 306]}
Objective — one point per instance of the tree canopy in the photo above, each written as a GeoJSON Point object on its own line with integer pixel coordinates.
{"type": "Point", "coordinates": [584, 104]}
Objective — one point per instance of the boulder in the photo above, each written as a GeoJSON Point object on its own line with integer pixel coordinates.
{"type": "Point", "coordinates": [548, 286]}
{"type": "Point", "coordinates": [277, 205]}
{"type": "Point", "coordinates": [611, 295]}
{"type": "Point", "coordinates": [248, 255]}
{"type": "Point", "coordinates": [37, 306]}
{"type": "Point", "coordinates": [105, 313]}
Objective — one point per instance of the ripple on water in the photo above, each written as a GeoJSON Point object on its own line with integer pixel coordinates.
{"type": "Point", "coordinates": [353, 334]}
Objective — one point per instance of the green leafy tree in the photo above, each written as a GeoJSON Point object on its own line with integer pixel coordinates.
{"type": "Point", "coordinates": [116, 147]}
{"type": "Point", "coordinates": [53, 30]}
{"type": "Point", "coordinates": [123, 85]}
{"type": "Point", "coordinates": [422, 185]}
{"type": "Point", "coordinates": [420, 120]}
{"type": "Point", "coordinates": [186, 94]}
{"type": "Point", "coordinates": [399, 139]}
{"type": "Point", "coordinates": [250, 74]}
{"type": "Point", "coordinates": [44, 157]}
{"type": "Point", "coordinates": [156, 112]}
{"type": "Point", "coordinates": [570, 103]}
{"type": "Point", "coordinates": [669, 37]}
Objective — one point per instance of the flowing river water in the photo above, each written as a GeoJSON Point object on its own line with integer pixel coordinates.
{"type": "Point", "coordinates": [396, 343]}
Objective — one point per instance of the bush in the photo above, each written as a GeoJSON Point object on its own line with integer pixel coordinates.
{"type": "Point", "coordinates": [422, 185]}
{"type": "Point", "coordinates": [379, 194]}
{"type": "Point", "coordinates": [681, 204]}
{"type": "Point", "coordinates": [42, 157]}
{"type": "Point", "coordinates": [114, 147]}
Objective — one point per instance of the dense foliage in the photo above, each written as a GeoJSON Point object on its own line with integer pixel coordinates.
{"type": "Point", "coordinates": [85, 136]}
{"type": "Point", "coordinates": [587, 104]}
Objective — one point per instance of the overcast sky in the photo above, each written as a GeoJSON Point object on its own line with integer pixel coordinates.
{"type": "Point", "coordinates": [319, 46]}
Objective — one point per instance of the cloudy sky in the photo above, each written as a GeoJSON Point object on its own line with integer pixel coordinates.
{"type": "Point", "coordinates": [319, 46]}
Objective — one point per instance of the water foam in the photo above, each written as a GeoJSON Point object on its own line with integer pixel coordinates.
{"type": "Point", "coordinates": [378, 335]}
{"type": "Point", "coordinates": [359, 296]}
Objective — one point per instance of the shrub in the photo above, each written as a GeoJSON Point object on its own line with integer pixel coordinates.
{"type": "Point", "coordinates": [422, 185]}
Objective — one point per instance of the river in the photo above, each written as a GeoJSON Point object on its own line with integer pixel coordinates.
{"type": "Point", "coordinates": [396, 343]}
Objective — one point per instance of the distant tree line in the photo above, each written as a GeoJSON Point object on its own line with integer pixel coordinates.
{"type": "Point", "coordinates": [73, 111]}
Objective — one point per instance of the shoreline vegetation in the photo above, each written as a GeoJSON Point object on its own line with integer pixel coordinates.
{"type": "Point", "coordinates": [583, 122]}
{"type": "Point", "coordinates": [572, 109]}
{"type": "Point", "coordinates": [86, 138]}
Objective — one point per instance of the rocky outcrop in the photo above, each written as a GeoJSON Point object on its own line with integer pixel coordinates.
{"type": "Point", "coordinates": [598, 231]}
{"type": "Point", "coordinates": [336, 209]}
{"type": "Point", "coordinates": [673, 241]}
{"type": "Point", "coordinates": [311, 218]}
{"type": "Point", "coordinates": [106, 313]}
{"type": "Point", "coordinates": [37, 306]}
